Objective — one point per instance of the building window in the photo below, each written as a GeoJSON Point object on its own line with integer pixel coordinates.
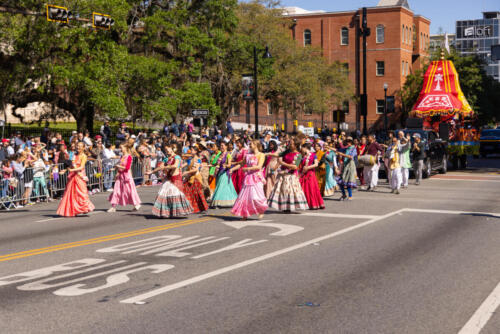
{"type": "Point", "coordinates": [403, 35]}
{"type": "Point", "coordinates": [236, 109]}
{"type": "Point", "coordinates": [380, 107]}
{"type": "Point", "coordinates": [307, 111]}
{"type": "Point", "coordinates": [307, 37]}
{"type": "Point", "coordinates": [345, 107]}
{"type": "Point", "coordinates": [345, 68]}
{"type": "Point", "coordinates": [403, 67]}
{"type": "Point", "coordinates": [407, 35]}
{"type": "Point", "coordinates": [344, 36]}
{"type": "Point", "coordinates": [380, 34]}
{"type": "Point", "coordinates": [380, 68]}
{"type": "Point", "coordinates": [269, 108]}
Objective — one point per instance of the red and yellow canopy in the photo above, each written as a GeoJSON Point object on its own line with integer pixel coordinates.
{"type": "Point", "coordinates": [441, 93]}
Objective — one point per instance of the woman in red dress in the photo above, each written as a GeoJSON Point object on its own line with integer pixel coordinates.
{"type": "Point", "coordinates": [308, 179]}
{"type": "Point", "coordinates": [193, 183]}
{"type": "Point", "coordinates": [76, 197]}
{"type": "Point", "coordinates": [239, 175]}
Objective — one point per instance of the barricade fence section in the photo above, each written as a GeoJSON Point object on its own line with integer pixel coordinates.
{"type": "Point", "coordinates": [45, 185]}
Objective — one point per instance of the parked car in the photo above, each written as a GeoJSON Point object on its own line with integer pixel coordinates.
{"type": "Point", "coordinates": [489, 142]}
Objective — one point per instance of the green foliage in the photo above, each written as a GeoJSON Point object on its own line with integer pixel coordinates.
{"type": "Point", "coordinates": [160, 60]}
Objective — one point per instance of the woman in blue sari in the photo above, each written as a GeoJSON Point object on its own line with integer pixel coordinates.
{"type": "Point", "coordinates": [331, 165]}
{"type": "Point", "coordinates": [224, 194]}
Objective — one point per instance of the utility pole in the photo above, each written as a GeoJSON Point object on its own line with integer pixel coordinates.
{"type": "Point", "coordinates": [366, 33]}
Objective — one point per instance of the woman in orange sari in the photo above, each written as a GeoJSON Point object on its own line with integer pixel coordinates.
{"type": "Point", "coordinates": [76, 197]}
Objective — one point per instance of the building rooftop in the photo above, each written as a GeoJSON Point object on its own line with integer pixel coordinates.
{"type": "Point", "coordinates": [300, 11]}
{"type": "Point", "coordinates": [399, 3]}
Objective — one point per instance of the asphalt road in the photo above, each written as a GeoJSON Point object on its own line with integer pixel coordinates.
{"type": "Point", "coordinates": [425, 261]}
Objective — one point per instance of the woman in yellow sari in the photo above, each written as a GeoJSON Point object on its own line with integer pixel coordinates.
{"type": "Point", "coordinates": [321, 170]}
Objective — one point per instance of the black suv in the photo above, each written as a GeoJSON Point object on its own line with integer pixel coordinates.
{"type": "Point", "coordinates": [436, 158]}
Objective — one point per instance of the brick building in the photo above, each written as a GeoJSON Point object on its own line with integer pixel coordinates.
{"type": "Point", "coordinates": [398, 45]}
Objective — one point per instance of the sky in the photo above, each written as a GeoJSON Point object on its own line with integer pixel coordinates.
{"type": "Point", "coordinates": [442, 13]}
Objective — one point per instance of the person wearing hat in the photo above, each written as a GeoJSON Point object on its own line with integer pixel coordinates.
{"type": "Point", "coordinates": [418, 151]}
{"type": "Point", "coordinates": [6, 151]}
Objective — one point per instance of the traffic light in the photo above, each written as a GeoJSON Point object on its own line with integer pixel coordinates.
{"type": "Point", "coordinates": [102, 21]}
{"type": "Point", "coordinates": [58, 14]}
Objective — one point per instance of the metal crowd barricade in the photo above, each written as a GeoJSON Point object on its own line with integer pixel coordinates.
{"type": "Point", "coordinates": [28, 189]}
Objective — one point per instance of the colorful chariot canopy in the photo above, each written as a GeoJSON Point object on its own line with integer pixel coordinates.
{"type": "Point", "coordinates": [441, 94]}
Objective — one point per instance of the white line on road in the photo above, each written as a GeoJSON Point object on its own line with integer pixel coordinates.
{"type": "Point", "coordinates": [337, 215]}
{"type": "Point", "coordinates": [196, 279]}
{"type": "Point", "coordinates": [450, 212]}
{"type": "Point", "coordinates": [483, 313]}
{"type": "Point", "coordinates": [453, 179]}
{"type": "Point", "coordinates": [56, 218]}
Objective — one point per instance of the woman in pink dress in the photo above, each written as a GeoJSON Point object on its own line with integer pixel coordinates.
{"type": "Point", "coordinates": [76, 197]}
{"type": "Point", "coordinates": [239, 175]}
{"type": "Point", "coordinates": [124, 191]}
{"type": "Point", "coordinates": [308, 179]}
{"type": "Point", "coordinates": [252, 200]}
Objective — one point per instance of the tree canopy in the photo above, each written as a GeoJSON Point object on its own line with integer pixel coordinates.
{"type": "Point", "coordinates": [161, 59]}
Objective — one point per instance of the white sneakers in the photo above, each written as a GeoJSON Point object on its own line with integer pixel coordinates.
{"type": "Point", "coordinates": [136, 208]}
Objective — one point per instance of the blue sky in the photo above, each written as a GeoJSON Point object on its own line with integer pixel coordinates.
{"type": "Point", "coordinates": [442, 13]}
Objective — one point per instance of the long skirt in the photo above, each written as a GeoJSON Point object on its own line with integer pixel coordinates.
{"type": "Point", "coordinates": [195, 196]}
{"type": "Point", "coordinates": [251, 200]}
{"type": "Point", "coordinates": [124, 191]}
{"type": "Point", "coordinates": [224, 194]}
{"type": "Point", "coordinates": [237, 178]}
{"type": "Point", "coordinates": [76, 198]}
{"type": "Point", "coordinates": [171, 202]}
{"type": "Point", "coordinates": [320, 176]}
{"type": "Point", "coordinates": [348, 177]}
{"type": "Point", "coordinates": [309, 185]}
{"type": "Point", "coordinates": [287, 194]}
{"type": "Point", "coordinates": [330, 183]}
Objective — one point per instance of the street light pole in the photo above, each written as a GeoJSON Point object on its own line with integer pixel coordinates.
{"type": "Point", "coordinates": [266, 55]}
{"type": "Point", "coordinates": [385, 108]}
{"type": "Point", "coordinates": [256, 93]}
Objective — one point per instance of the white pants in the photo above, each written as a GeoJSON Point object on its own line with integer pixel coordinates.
{"type": "Point", "coordinates": [371, 175]}
{"type": "Point", "coordinates": [406, 176]}
{"type": "Point", "coordinates": [396, 178]}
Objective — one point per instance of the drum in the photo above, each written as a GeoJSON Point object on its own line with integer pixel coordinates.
{"type": "Point", "coordinates": [366, 160]}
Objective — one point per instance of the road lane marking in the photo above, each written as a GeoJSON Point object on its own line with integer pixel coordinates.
{"type": "Point", "coordinates": [443, 179]}
{"type": "Point", "coordinates": [57, 218]}
{"type": "Point", "coordinates": [337, 215]}
{"type": "Point", "coordinates": [32, 252]}
{"type": "Point", "coordinates": [284, 229]}
{"type": "Point", "coordinates": [197, 279]}
{"type": "Point", "coordinates": [451, 212]}
{"type": "Point", "coordinates": [483, 314]}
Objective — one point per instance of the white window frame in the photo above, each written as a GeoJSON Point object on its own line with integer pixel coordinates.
{"type": "Point", "coordinates": [377, 68]}
{"type": "Point", "coordinates": [310, 37]}
{"type": "Point", "coordinates": [382, 107]}
{"type": "Point", "coordinates": [269, 109]}
{"type": "Point", "coordinates": [342, 36]}
{"type": "Point", "coordinates": [378, 41]}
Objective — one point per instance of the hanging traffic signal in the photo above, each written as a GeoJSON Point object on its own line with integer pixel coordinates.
{"type": "Point", "coordinates": [102, 21]}
{"type": "Point", "coordinates": [58, 14]}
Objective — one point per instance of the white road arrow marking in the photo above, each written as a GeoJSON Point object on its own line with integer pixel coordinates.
{"type": "Point", "coordinates": [284, 229]}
